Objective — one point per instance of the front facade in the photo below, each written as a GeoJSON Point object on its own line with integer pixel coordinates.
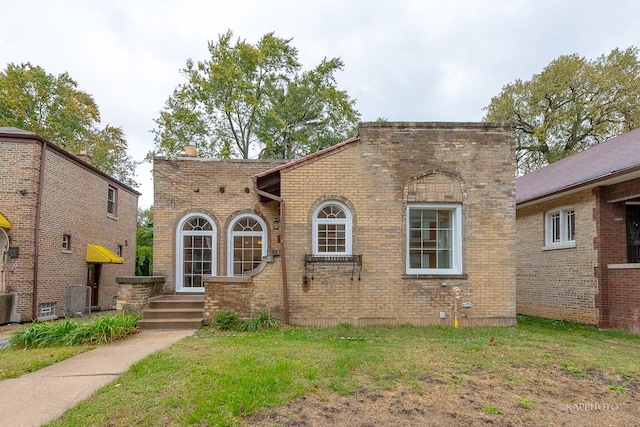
{"type": "Point", "coordinates": [578, 237]}
{"type": "Point", "coordinates": [67, 224]}
{"type": "Point", "coordinates": [406, 223]}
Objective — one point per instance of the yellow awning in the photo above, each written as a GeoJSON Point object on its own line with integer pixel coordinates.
{"type": "Point", "coordinates": [4, 222]}
{"type": "Point", "coordinates": [100, 254]}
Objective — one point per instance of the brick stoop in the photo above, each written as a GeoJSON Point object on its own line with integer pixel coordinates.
{"type": "Point", "coordinates": [173, 312]}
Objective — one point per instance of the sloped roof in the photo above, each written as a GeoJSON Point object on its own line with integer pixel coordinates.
{"type": "Point", "coordinates": [608, 160]}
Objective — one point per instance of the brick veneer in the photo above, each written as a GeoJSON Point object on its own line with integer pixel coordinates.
{"type": "Point", "coordinates": [74, 203]}
{"type": "Point", "coordinates": [391, 165]}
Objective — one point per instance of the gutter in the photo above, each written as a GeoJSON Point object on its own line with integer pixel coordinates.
{"type": "Point", "coordinates": [36, 243]}
{"type": "Point", "coordinates": [283, 253]}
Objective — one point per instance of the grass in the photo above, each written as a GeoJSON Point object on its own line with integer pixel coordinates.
{"type": "Point", "coordinates": [15, 362]}
{"type": "Point", "coordinates": [220, 377]}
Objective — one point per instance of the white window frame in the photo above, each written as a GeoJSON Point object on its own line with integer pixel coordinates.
{"type": "Point", "coordinates": [456, 238]}
{"type": "Point", "coordinates": [66, 243]}
{"type": "Point", "coordinates": [231, 234]}
{"type": "Point", "coordinates": [346, 221]}
{"type": "Point", "coordinates": [564, 239]}
{"type": "Point", "coordinates": [180, 250]}
{"type": "Point", "coordinates": [111, 190]}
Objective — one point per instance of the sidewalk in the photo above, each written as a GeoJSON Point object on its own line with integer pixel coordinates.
{"type": "Point", "coordinates": [44, 395]}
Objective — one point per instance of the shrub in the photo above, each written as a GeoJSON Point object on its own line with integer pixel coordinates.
{"type": "Point", "coordinates": [262, 320]}
{"type": "Point", "coordinates": [226, 320]}
{"type": "Point", "coordinates": [69, 332]}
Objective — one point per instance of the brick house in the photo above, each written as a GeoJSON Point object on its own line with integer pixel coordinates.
{"type": "Point", "coordinates": [66, 222]}
{"type": "Point", "coordinates": [405, 223]}
{"type": "Point", "coordinates": [578, 237]}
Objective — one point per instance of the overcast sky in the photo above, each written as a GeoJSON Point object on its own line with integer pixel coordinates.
{"type": "Point", "coordinates": [404, 60]}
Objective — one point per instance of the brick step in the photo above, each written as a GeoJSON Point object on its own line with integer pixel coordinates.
{"type": "Point", "coordinates": [170, 323]}
{"type": "Point", "coordinates": [173, 313]}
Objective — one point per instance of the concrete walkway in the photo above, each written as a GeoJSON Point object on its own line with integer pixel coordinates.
{"type": "Point", "coordinates": [44, 395]}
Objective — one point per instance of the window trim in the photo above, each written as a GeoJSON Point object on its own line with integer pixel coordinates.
{"type": "Point", "coordinates": [230, 235]}
{"type": "Point", "coordinates": [456, 239]}
{"type": "Point", "coordinates": [348, 230]}
{"type": "Point", "coordinates": [114, 190]}
{"type": "Point", "coordinates": [563, 216]}
{"type": "Point", "coordinates": [179, 250]}
{"type": "Point", "coordinates": [66, 243]}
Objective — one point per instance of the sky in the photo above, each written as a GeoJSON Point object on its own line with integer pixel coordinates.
{"type": "Point", "coordinates": [404, 60]}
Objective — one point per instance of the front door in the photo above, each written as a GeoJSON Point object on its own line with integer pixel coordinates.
{"type": "Point", "coordinates": [93, 281]}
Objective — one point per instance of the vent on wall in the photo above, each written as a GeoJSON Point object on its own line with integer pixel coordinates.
{"type": "Point", "coordinates": [47, 309]}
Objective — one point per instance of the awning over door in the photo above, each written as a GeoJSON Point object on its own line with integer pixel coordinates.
{"type": "Point", "coordinates": [4, 222]}
{"type": "Point", "coordinates": [100, 254]}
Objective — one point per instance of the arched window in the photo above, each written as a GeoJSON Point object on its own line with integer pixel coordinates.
{"type": "Point", "coordinates": [247, 244]}
{"type": "Point", "coordinates": [332, 229]}
{"type": "Point", "coordinates": [195, 251]}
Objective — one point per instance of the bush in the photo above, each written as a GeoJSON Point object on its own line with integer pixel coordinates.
{"type": "Point", "coordinates": [226, 320]}
{"type": "Point", "coordinates": [67, 332]}
{"type": "Point", "coordinates": [262, 320]}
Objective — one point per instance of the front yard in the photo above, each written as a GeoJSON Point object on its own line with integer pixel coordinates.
{"type": "Point", "coordinates": [540, 373]}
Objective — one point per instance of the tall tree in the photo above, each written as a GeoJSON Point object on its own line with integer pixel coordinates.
{"type": "Point", "coordinates": [144, 242]}
{"type": "Point", "coordinates": [254, 99]}
{"type": "Point", "coordinates": [54, 108]}
{"type": "Point", "coordinates": [572, 104]}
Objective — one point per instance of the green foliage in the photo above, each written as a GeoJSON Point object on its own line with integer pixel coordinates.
{"type": "Point", "coordinates": [144, 242]}
{"type": "Point", "coordinates": [54, 108]}
{"type": "Point", "coordinates": [487, 409]}
{"type": "Point", "coordinates": [15, 361]}
{"type": "Point", "coordinates": [618, 388]}
{"type": "Point", "coordinates": [69, 332]}
{"type": "Point", "coordinates": [572, 104]}
{"type": "Point", "coordinates": [525, 404]}
{"type": "Point", "coordinates": [261, 321]}
{"type": "Point", "coordinates": [249, 97]}
{"type": "Point", "coordinates": [226, 320]}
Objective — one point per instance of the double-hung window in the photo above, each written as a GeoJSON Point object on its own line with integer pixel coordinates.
{"type": "Point", "coordinates": [560, 228]}
{"type": "Point", "coordinates": [112, 197]}
{"type": "Point", "coordinates": [434, 239]}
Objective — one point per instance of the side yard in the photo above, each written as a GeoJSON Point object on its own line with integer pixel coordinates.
{"type": "Point", "coordinates": [540, 373]}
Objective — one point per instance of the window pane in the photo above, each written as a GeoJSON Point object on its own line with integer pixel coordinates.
{"type": "Point", "coordinates": [571, 225]}
{"type": "Point", "coordinates": [431, 238]}
{"type": "Point", "coordinates": [444, 239]}
{"type": "Point", "coordinates": [444, 219]}
{"type": "Point", "coordinates": [444, 259]}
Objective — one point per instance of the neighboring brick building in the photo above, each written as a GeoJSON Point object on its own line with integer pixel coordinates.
{"type": "Point", "coordinates": [383, 228]}
{"type": "Point", "coordinates": [66, 221]}
{"type": "Point", "coordinates": [578, 237]}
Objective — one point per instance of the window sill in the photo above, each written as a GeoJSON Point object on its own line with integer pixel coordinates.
{"type": "Point", "coordinates": [463, 276]}
{"type": "Point", "coordinates": [562, 246]}
{"type": "Point", "coordinates": [112, 216]}
{"type": "Point", "coordinates": [626, 266]}
{"type": "Point", "coordinates": [67, 251]}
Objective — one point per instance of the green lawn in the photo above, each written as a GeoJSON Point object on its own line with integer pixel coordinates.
{"type": "Point", "coordinates": [219, 378]}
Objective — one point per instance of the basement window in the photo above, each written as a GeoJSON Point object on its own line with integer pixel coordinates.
{"type": "Point", "coordinates": [66, 243]}
{"type": "Point", "coordinates": [46, 309]}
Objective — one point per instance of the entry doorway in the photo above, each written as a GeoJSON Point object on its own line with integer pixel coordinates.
{"type": "Point", "coordinates": [93, 281]}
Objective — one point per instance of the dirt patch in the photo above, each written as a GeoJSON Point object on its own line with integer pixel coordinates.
{"type": "Point", "coordinates": [526, 397]}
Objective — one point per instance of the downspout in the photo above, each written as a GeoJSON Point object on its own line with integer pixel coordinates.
{"type": "Point", "coordinates": [285, 286]}
{"type": "Point", "coordinates": [36, 244]}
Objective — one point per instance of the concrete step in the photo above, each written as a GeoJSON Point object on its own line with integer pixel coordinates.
{"type": "Point", "coordinates": [173, 313]}
{"type": "Point", "coordinates": [177, 303]}
{"type": "Point", "coordinates": [170, 323]}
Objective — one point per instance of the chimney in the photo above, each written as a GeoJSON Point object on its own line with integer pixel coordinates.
{"type": "Point", "coordinates": [190, 151]}
{"type": "Point", "coordinates": [84, 156]}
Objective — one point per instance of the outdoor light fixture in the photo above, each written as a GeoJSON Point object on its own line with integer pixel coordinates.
{"type": "Point", "coordinates": [276, 222]}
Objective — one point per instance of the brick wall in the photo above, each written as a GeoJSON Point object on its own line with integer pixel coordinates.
{"type": "Point", "coordinates": [392, 164]}
{"type": "Point", "coordinates": [558, 283]}
{"type": "Point", "coordinates": [74, 202]}
{"type": "Point", "coordinates": [19, 169]}
{"type": "Point", "coordinates": [224, 190]}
